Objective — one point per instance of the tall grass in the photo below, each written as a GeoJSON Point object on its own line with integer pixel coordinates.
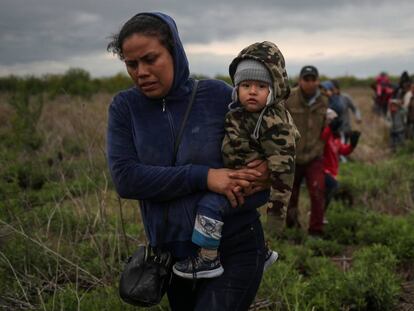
{"type": "Point", "coordinates": [63, 244]}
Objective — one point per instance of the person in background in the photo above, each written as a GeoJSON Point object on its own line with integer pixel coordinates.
{"type": "Point", "coordinates": [409, 108]}
{"type": "Point", "coordinates": [308, 108]}
{"type": "Point", "coordinates": [334, 147]}
{"type": "Point", "coordinates": [348, 104]}
{"type": "Point", "coordinates": [398, 112]}
{"type": "Point", "coordinates": [397, 129]}
{"type": "Point", "coordinates": [334, 102]}
{"type": "Point", "coordinates": [383, 92]}
{"type": "Point", "coordinates": [143, 123]}
{"type": "Point", "coordinates": [408, 95]}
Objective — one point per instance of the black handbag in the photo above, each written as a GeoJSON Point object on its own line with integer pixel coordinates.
{"type": "Point", "coordinates": [146, 277]}
{"type": "Point", "coordinates": [147, 273]}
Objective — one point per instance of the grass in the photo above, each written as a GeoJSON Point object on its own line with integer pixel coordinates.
{"type": "Point", "coordinates": [63, 244]}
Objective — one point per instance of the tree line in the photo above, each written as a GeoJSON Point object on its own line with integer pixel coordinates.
{"type": "Point", "coordinates": [78, 82]}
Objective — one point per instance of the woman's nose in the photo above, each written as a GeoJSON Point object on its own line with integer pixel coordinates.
{"type": "Point", "coordinates": [142, 70]}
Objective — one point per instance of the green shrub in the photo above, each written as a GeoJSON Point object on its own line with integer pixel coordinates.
{"type": "Point", "coordinates": [284, 286]}
{"type": "Point", "coordinates": [372, 282]}
{"type": "Point", "coordinates": [325, 290]}
{"type": "Point", "coordinates": [395, 232]}
{"type": "Point", "coordinates": [96, 299]}
{"type": "Point", "coordinates": [343, 224]}
{"type": "Point", "coordinates": [24, 121]}
{"type": "Point", "coordinates": [322, 247]}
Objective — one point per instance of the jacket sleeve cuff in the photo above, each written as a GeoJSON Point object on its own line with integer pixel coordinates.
{"type": "Point", "coordinates": [198, 177]}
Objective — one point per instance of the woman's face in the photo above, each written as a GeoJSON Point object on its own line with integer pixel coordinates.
{"type": "Point", "coordinates": [149, 64]}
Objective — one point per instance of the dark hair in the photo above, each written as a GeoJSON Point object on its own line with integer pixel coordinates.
{"type": "Point", "coordinates": [336, 84]}
{"type": "Point", "coordinates": [148, 25]}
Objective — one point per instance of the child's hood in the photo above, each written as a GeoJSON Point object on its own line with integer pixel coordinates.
{"type": "Point", "coordinates": [269, 54]}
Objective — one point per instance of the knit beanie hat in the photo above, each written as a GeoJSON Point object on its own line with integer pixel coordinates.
{"type": "Point", "coordinates": [250, 69]}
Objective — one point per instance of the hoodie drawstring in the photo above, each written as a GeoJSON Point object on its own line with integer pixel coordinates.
{"type": "Point", "coordinates": [256, 131]}
{"type": "Point", "coordinates": [269, 100]}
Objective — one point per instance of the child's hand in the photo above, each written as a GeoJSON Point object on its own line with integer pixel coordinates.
{"type": "Point", "coordinates": [224, 182]}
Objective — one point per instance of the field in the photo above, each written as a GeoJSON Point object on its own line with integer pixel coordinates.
{"type": "Point", "coordinates": [63, 241]}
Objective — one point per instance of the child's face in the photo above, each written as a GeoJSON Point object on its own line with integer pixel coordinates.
{"type": "Point", "coordinates": [253, 95]}
{"type": "Point", "coordinates": [326, 92]}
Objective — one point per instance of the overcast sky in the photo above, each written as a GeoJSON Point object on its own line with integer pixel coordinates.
{"type": "Point", "coordinates": [358, 38]}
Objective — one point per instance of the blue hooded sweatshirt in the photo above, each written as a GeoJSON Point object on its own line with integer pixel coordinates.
{"type": "Point", "coordinates": [140, 143]}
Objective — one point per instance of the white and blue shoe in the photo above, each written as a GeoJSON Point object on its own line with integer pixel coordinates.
{"type": "Point", "coordinates": [198, 268]}
{"type": "Point", "coordinates": [271, 257]}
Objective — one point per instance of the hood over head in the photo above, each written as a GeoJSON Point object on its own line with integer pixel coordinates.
{"type": "Point", "coordinates": [269, 55]}
{"type": "Point", "coordinates": [181, 67]}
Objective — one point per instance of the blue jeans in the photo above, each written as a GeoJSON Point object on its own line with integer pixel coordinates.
{"type": "Point", "coordinates": [242, 256]}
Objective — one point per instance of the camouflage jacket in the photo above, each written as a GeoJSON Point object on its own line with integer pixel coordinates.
{"type": "Point", "coordinates": [277, 134]}
{"type": "Point", "coordinates": [310, 120]}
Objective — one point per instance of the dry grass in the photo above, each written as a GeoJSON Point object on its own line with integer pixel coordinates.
{"type": "Point", "coordinates": [68, 123]}
{"type": "Point", "coordinates": [374, 141]}
{"type": "Point", "coordinates": [76, 119]}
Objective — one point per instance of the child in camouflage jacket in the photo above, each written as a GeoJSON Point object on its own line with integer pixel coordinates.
{"type": "Point", "coordinates": [257, 127]}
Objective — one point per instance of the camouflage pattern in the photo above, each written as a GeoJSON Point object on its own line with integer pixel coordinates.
{"type": "Point", "coordinates": [269, 54]}
{"type": "Point", "coordinates": [278, 133]}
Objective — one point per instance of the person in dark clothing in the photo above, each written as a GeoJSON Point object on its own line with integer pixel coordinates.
{"type": "Point", "coordinates": [349, 105]}
{"type": "Point", "coordinates": [142, 130]}
{"type": "Point", "coordinates": [409, 107]}
{"type": "Point", "coordinates": [397, 112]}
{"type": "Point", "coordinates": [334, 101]}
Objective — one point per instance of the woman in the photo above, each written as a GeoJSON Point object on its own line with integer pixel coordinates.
{"type": "Point", "coordinates": [142, 128]}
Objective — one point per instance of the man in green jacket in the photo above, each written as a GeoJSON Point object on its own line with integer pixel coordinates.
{"type": "Point", "coordinates": [308, 109]}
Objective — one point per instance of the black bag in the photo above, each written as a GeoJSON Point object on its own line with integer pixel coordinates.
{"type": "Point", "coordinates": [147, 274]}
{"type": "Point", "coordinates": [146, 277]}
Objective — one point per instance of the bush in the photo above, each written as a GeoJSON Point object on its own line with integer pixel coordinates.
{"type": "Point", "coordinates": [395, 232]}
{"type": "Point", "coordinates": [322, 247]}
{"type": "Point", "coordinates": [27, 114]}
{"type": "Point", "coordinates": [343, 224]}
{"type": "Point", "coordinates": [372, 283]}
{"type": "Point", "coordinates": [326, 285]}
{"type": "Point", "coordinates": [284, 286]}
{"type": "Point", "coordinates": [98, 299]}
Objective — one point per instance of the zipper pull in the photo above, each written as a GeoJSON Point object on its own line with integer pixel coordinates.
{"type": "Point", "coordinates": [163, 105]}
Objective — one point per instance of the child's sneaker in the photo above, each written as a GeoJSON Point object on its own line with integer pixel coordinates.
{"type": "Point", "coordinates": [198, 268]}
{"type": "Point", "coordinates": [271, 257]}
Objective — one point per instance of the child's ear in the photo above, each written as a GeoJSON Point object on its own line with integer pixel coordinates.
{"type": "Point", "coordinates": [234, 96]}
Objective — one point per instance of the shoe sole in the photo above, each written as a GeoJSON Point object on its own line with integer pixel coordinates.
{"type": "Point", "coordinates": [269, 261]}
{"type": "Point", "coordinates": [201, 274]}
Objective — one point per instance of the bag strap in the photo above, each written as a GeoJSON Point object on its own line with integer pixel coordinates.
{"type": "Point", "coordinates": [187, 113]}
{"type": "Point", "coordinates": [176, 145]}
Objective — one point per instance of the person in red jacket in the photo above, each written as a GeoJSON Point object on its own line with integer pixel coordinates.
{"type": "Point", "coordinates": [383, 93]}
{"type": "Point", "coordinates": [332, 150]}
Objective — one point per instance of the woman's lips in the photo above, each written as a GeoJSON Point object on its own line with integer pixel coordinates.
{"type": "Point", "coordinates": [148, 86]}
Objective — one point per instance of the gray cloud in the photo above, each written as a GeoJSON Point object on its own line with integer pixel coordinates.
{"type": "Point", "coordinates": [61, 31]}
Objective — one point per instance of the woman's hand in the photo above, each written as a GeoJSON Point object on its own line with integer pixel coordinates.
{"type": "Point", "coordinates": [263, 181]}
{"type": "Point", "coordinates": [231, 183]}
